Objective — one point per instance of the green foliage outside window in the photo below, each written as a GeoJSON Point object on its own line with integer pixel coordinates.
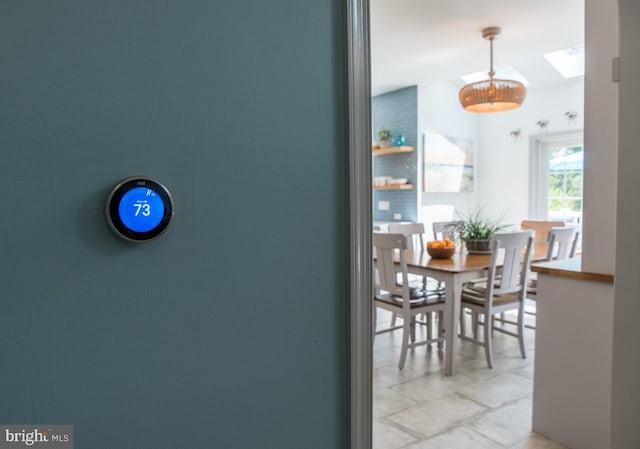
{"type": "Point", "coordinates": [565, 188]}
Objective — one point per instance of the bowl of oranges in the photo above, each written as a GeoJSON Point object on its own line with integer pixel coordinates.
{"type": "Point", "coordinates": [441, 249]}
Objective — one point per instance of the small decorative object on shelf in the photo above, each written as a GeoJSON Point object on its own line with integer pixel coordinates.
{"type": "Point", "coordinates": [398, 141]}
{"type": "Point", "coordinates": [385, 137]}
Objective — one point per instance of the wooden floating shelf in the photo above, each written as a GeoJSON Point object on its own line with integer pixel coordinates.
{"type": "Point", "coordinates": [391, 150]}
{"type": "Point", "coordinates": [394, 187]}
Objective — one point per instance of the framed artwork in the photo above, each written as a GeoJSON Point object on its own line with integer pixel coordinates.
{"type": "Point", "coordinates": [447, 163]}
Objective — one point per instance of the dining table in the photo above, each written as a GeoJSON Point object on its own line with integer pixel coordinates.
{"type": "Point", "coordinates": [462, 267]}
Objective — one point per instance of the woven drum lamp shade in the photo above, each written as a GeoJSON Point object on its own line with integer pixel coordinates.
{"type": "Point", "coordinates": [492, 95]}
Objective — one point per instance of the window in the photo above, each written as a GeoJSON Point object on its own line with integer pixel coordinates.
{"type": "Point", "coordinates": [565, 183]}
{"type": "Point", "coordinates": [556, 179]}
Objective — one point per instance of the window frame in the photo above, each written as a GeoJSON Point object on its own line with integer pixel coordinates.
{"type": "Point", "coordinates": [540, 145]}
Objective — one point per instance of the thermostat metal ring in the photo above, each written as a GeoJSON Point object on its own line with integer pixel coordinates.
{"type": "Point", "coordinates": [145, 196]}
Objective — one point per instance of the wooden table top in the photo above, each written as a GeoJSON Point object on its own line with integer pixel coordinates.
{"type": "Point", "coordinates": [461, 261]}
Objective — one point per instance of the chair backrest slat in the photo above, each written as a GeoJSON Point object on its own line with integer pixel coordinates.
{"type": "Point", "coordinates": [516, 248]}
{"type": "Point", "coordinates": [446, 229]}
{"type": "Point", "coordinates": [562, 242]}
{"type": "Point", "coordinates": [412, 231]}
{"type": "Point", "coordinates": [386, 245]}
{"type": "Point", "coordinates": [574, 245]}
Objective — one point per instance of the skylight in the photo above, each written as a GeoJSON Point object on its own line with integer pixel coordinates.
{"type": "Point", "coordinates": [569, 61]}
{"type": "Point", "coordinates": [505, 72]}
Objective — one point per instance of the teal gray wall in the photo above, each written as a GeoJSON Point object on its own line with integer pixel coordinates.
{"type": "Point", "coordinates": [397, 111]}
{"type": "Point", "coordinates": [230, 331]}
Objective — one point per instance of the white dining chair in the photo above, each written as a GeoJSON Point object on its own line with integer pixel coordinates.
{"type": "Point", "coordinates": [500, 293]}
{"type": "Point", "coordinates": [541, 229]}
{"type": "Point", "coordinates": [414, 233]}
{"type": "Point", "coordinates": [446, 229]}
{"type": "Point", "coordinates": [562, 243]}
{"type": "Point", "coordinates": [401, 299]}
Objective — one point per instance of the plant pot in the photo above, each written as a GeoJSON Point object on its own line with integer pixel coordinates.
{"type": "Point", "coordinates": [478, 246]}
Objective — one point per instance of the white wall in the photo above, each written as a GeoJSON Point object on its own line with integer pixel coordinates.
{"type": "Point", "coordinates": [439, 111]}
{"type": "Point", "coordinates": [571, 393]}
{"type": "Point", "coordinates": [601, 137]}
{"type": "Point", "coordinates": [626, 334]}
{"type": "Point", "coordinates": [503, 162]}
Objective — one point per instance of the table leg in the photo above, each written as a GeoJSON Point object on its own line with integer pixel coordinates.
{"type": "Point", "coordinates": [453, 286]}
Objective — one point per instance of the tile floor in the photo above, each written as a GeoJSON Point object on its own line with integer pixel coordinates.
{"type": "Point", "coordinates": [481, 408]}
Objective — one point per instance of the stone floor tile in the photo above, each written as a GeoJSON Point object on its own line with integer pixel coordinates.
{"type": "Point", "coordinates": [388, 401]}
{"type": "Point", "coordinates": [431, 386]}
{"type": "Point", "coordinates": [498, 390]}
{"type": "Point", "coordinates": [420, 408]}
{"type": "Point", "coordinates": [434, 416]}
{"type": "Point", "coordinates": [458, 438]}
{"type": "Point", "coordinates": [386, 436]}
{"type": "Point", "coordinates": [507, 425]}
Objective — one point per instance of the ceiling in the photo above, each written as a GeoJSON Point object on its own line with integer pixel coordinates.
{"type": "Point", "coordinates": [429, 41]}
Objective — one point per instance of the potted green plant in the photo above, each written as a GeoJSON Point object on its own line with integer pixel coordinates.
{"type": "Point", "coordinates": [476, 231]}
{"type": "Point", "coordinates": [385, 136]}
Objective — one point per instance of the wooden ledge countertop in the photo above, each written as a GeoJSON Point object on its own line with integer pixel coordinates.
{"type": "Point", "coordinates": [570, 268]}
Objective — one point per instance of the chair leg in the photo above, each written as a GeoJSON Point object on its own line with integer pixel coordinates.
{"type": "Point", "coordinates": [488, 340]}
{"type": "Point", "coordinates": [521, 331]}
{"type": "Point", "coordinates": [412, 326]}
{"type": "Point", "coordinates": [429, 316]}
{"type": "Point", "coordinates": [463, 326]}
{"type": "Point", "coordinates": [406, 331]}
{"type": "Point", "coordinates": [474, 324]}
{"type": "Point", "coordinates": [530, 326]}
{"type": "Point", "coordinates": [393, 319]}
{"type": "Point", "coordinates": [441, 331]}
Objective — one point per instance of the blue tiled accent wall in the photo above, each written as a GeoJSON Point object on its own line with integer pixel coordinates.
{"type": "Point", "coordinates": [397, 111]}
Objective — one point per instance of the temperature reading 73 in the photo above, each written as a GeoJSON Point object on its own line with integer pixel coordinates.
{"type": "Point", "coordinates": [142, 209]}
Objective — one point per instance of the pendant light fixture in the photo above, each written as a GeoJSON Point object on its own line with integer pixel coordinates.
{"type": "Point", "coordinates": [492, 95]}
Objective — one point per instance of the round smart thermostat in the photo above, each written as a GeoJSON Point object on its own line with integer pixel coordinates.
{"type": "Point", "coordinates": [139, 209]}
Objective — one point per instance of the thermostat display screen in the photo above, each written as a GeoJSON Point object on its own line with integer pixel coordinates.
{"type": "Point", "coordinates": [139, 209]}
